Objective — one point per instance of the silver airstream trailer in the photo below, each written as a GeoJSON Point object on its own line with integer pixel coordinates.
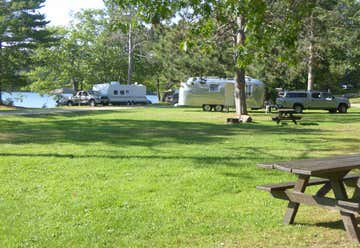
{"type": "Point", "coordinates": [214, 93]}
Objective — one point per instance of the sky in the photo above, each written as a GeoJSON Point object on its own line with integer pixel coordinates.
{"type": "Point", "coordinates": [58, 12]}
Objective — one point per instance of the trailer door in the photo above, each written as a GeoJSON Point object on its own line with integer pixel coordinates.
{"type": "Point", "coordinates": [229, 94]}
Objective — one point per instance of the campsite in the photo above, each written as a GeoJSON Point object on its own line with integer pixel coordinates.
{"type": "Point", "coordinates": [161, 177]}
{"type": "Point", "coordinates": [182, 123]}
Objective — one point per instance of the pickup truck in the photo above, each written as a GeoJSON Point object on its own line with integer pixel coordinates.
{"type": "Point", "coordinates": [300, 100]}
{"type": "Point", "coordinates": [89, 97]}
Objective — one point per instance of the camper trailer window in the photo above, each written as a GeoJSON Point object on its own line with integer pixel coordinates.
{"type": "Point", "coordinates": [116, 92]}
{"type": "Point", "coordinates": [214, 88]}
{"type": "Point", "coordinates": [122, 92]}
{"type": "Point", "coordinates": [249, 89]}
{"type": "Point", "coordinates": [126, 92]}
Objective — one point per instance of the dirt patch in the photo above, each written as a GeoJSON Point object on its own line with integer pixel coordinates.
{"type": "Point", "coordinates": [6, 136]}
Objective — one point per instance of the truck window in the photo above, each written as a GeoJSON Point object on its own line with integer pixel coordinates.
{"type": "Point", "coordinates": [296, 94]}
{"type": "Point", "coordinates": [315, 95]}
{"type": "Point", "coordinates": [326, 95]}
{"type": "Point", "coordinates": [116, 92]}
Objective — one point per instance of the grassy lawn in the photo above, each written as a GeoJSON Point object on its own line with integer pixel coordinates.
{"type": "Point", "coordinates": [355, 100]}
{"type": "Point", "coordinates": [160, 177]}
{"type": "Point", "coordinates": [5, 108]}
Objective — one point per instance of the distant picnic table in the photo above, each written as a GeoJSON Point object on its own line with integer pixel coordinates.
{"type": "Point", "coordinates": [332, 174]}
{"type": "Point", "coordinates": [286, 115]}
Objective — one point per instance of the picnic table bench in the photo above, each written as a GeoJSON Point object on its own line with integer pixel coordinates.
{"type": "Point", "coordinates": [286, 115]}
{"type": "Point", "coordinates": [332, 174]}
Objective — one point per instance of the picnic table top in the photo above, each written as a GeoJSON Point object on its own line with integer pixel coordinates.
{"type": "Point", "coordinates": [317, 166]}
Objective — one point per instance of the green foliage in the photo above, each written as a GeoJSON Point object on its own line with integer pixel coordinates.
{"type": "Point", "coordinates": [177, 60]}
{"type": "Point", "coordinates": [87, 53]}
{"type": "Point", "coordinates": [200, 41]}
{"type": "Point", "coordinates": [22, 28]}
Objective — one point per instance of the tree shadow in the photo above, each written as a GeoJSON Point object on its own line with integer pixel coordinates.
{"type": "Point", "coordinates": [208, 160]}
{"type": "Point", "coordinates": [129, 132]}
{"type": "Point", "coordinates": [309, 124]}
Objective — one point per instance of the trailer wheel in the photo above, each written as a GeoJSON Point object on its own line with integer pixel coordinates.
{"type": "Point", "coordinates": [207, 107]}
{"type": "Point", "coordinates": [219, 108]}
{"type": "Point", "coordinates": [69, 103]}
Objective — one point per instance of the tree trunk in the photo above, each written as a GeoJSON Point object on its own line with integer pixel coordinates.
{"type": "Point", "coordinates": [240, 95]}
{"type": "Point", "coordinates": [75, 84]}
{"type": "Point", "coordinates": [130, 54]}
{"type": "Point", "coordinates": [311, 76]}
{"type": "Point", "coordinates": [158, 89]}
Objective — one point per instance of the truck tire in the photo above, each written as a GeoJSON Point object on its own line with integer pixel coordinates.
{"type": "Point", "coordinates": [342, 108]}
{"type": "Point", "coordinates": [298, 108]}
{"type": "Point", "coordinates": [92, 103]}
{"type": "Point", "coordinates": [70, 103]}
{"type": "Point", "coordinates": [218, 108]}
{"type": "Point", "coordinates": [207, 107]}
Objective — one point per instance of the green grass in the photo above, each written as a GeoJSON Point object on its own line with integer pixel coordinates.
{"type": "Point", "coordinates": [161, 177]}
{"type": "Point", "coordinates": [6, 108]}
{"type": "Point", "coordinates": [355, 100]}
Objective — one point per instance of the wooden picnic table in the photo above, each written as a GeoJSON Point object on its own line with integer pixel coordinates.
{"type": "Point", "coordinates": [332, 174]}
{"type": "Point", "coordinates": [286, 115]}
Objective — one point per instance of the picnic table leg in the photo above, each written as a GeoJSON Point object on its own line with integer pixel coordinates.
{"type": "Point", "coordinates": [293, 207]}
{"type": "Point", "coordinates": [356, 195]}
{"type": "Point", "coordinates": [349, 220]}
{"type": "Point", "coordinates": [324, 190]}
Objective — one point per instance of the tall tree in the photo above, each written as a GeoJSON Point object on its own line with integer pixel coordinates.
{"type": "Point", "coordinates": [249, 24]}
{"type": "Point", "coordinates": [314, 29]}
{"type": "Point", "coordinates": [87, 52]}
{"type": "Point", "coordinates": [131, 15]}
{"type": "Point", "coordinates": [22, 28]}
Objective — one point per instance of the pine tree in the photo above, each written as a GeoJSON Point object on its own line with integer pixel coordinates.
{"type": "Point", "coordinates": [22, 28]}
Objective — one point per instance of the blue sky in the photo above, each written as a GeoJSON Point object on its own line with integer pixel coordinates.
{"type": "Point", "coordinates": [59, 11]}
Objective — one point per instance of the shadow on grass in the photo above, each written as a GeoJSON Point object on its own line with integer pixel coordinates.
{"type": "Point", "coordinates": [125, 132]}
{"type": "Point", "coordinates": [203, 160]}
{"type": "Point", "coordinates": [338, 224]}
{"type": "Point", "coordinates": [309, 124]}
{"type": "Point", "coordinates": [67, 128]}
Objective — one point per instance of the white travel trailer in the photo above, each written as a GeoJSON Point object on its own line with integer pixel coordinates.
{"type": "Point", "coordinates": [214, 93]}
{"type": "Point", "coordinates": [122, 93]}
